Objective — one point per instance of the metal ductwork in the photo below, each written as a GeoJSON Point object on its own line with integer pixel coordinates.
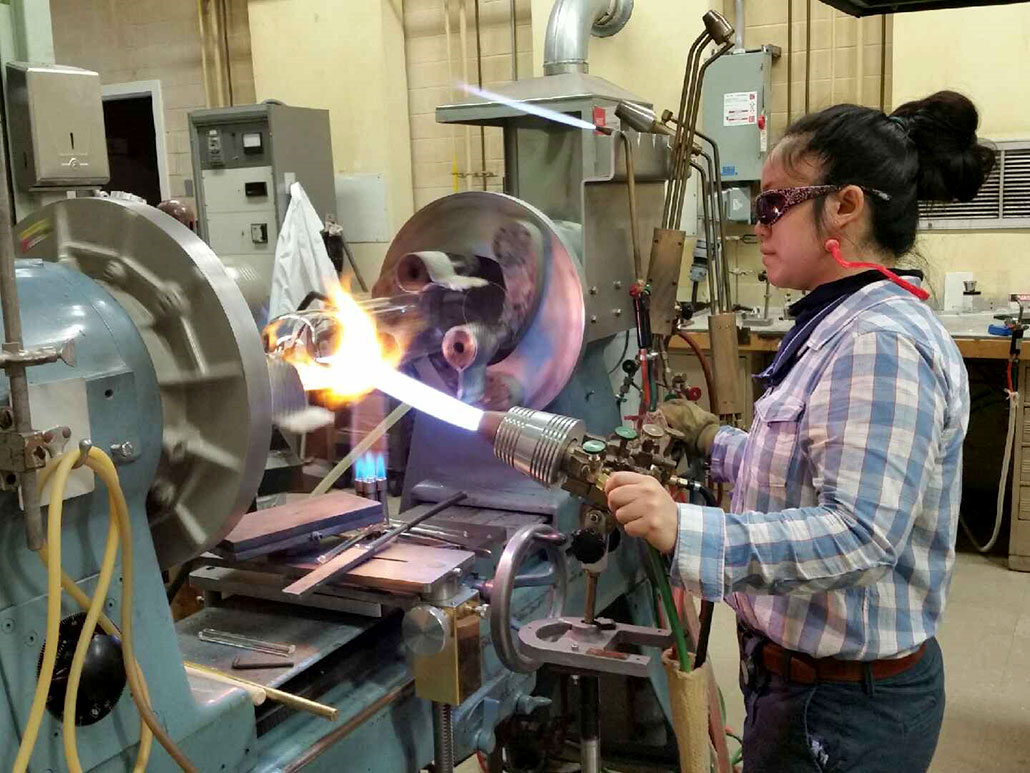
{"type": "Point", "coordinates": [569, 28]}
{"type": "Point", "coordinates": [738, 25]}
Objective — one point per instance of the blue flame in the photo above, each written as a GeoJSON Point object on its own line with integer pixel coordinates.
{"type": "Point", "coordinates": [370, 467]}
{"type": "Point", "coordinates": [364, 468]}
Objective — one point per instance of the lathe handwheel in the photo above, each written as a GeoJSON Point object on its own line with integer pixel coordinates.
{"type": "Point", "coordinates": [527, 540]}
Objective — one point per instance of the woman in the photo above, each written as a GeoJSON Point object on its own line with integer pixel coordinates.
{"type": "Point", "coordinates": [838, 549]}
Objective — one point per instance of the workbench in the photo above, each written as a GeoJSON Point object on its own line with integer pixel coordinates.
{"type": "Point", "coordinates": [986, 348]}
{"type": "Point", "coordinates": [759, 344]}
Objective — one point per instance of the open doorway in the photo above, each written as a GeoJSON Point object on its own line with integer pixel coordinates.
{"type": "Point", "coordinates": [134, 125]}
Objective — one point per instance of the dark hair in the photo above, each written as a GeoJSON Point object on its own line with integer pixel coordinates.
{"type": "Point", "coordinates": [926, 150]}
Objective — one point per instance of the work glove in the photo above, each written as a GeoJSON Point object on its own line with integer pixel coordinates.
{"type": "Point", "coordinates": [697, 425]}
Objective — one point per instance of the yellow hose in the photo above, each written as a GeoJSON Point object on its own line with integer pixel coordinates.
{"type": "Point", "coordinates": [86, 635]}
{"type": "Point", "coordinates": [53, 622]}
{"type": "Point", "coordinates": [119, 531]}
{"type": "Point", "coordinates": [106, 470]}
{"type": "Point", "coordinates": [108, 627]}
{"type": "Point", "coordinates": [71, 694]}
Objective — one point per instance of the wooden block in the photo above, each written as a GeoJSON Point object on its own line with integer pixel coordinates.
{"type": "Point", "coordinates": [332, 513]}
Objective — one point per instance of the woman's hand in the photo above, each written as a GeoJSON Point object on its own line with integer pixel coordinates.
{"type": "Point", "coordinates": [644, 508]}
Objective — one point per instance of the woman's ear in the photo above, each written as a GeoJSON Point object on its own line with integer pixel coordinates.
{"type": "Point", "coordinates": [845, 208]}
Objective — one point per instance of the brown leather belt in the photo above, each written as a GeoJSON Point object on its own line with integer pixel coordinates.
{"type": "Point", "coordinates": [804, 669]}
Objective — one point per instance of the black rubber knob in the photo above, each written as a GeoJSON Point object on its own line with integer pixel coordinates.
{"type": "Point", "coordinates": [587, 546]}
{"type": "Point", "coordinates": [103, 673]}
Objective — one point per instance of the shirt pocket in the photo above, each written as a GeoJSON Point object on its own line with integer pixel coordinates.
{"type": "Point", "coordinates": [774, 439]}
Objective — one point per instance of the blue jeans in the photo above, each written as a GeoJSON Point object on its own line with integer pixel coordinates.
{"type": "Point", "coordinates": [889, 725]}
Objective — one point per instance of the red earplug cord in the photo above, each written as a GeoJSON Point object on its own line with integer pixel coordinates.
{"type": "Point", "coordinates": [833, 247]}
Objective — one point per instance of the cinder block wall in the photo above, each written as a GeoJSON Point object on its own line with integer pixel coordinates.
{"type": "Point", "coordinates": [153, 40]}
{"type": "Point", "coordinates": [833, 60]}
{"type": "Point", "coordinates": [438, 150]}
{"type": "Point", "coordinates": [833, 70]}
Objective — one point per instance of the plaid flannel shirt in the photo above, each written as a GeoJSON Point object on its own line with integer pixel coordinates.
{"type": "Point", "coordinates": [840, 540]}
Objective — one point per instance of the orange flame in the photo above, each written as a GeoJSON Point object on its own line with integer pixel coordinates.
{"type": "Point", "coordinates": [353, 367]}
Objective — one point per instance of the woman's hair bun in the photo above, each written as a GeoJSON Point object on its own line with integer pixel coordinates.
{"type": "Point", "coordinates": [953, 164]}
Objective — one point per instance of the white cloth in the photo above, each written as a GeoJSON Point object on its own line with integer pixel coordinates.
{"type": "Point", "coordinates": [301, 261]}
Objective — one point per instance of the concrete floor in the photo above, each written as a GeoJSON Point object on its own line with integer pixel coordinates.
{"type": "Point", "coordinates": [985, 638]}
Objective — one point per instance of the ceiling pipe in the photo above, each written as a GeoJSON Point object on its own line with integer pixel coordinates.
{"type": "Point", "coordinates": [569, 28]}
{"type": "Point", "coordinates": [738, 25]}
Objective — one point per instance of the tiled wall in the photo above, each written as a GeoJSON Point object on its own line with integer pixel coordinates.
{"type": "Point", "coordinates": [832, 80]}
{"type": "Point", "coordinates": [153, 40]}
{"type": "Point", "coordinates": [833, 59]}
{"type": "Point", "coordinates": [437, 149]}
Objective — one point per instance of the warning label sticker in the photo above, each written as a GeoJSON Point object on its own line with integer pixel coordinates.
{"type": "Point", "coordinates": [740, 108]}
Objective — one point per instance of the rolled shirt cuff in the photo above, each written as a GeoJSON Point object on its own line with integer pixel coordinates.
{"type": "Point", "coordinates": [699, 561]}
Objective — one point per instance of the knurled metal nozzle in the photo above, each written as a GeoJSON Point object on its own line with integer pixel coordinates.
{"type": "Point", "coordinates": [533, 442]}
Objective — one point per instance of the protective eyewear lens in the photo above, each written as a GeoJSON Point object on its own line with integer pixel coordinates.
{"type": "Point", "coordinates": [770, 206]}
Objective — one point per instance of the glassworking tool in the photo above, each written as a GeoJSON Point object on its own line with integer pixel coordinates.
{"type": "Point", "coordinates": [246, 642]}
{"type": "Point", "coordinates": [253, 665]}
{"type": "Point", "coordinates": [336, 568]}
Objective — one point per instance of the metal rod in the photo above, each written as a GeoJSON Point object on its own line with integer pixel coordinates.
{"type": "Point", "coordinates": [631, 185]}
{"type": "Point", "coordinates": [590, 604]}
{"type": "Point", "coordinates": [383, 498]}
{"type": "Point", "coordinates": [512, 152]}
{"type": "Point", "coordinates": [589, 724]}
{"type": "Point", "coordinates": [808, 53]}
{"type": "Point", "coordinates": [692, 114]}
{"type": "Point", "coordinates": [768, 292]}
{"type": "Point", "coordinates": [450, 92]}
{"type": "Point", "coordinates": [336, 568]}
{"type": "Point", "coordinates": [682, 151]}
{"type": "Point", "coordinates": [833, 58]}
{"type": "Point", "coordinates": [720, 205]}
{"type": "Point", "coordinates": [859, 61]}
{"type": "Point", "coordinates": [738, 25]}
{"type": "Point", "coordinates": [682, 174]}
{"type": "Point", "coordinates": [17, 377]}
{"type": "Point", "coordinates": [688, 74]}
{"type": "Point", "coordinates": [692, 119]}
{"type": "Point", "coordinates": [713, 293]}
{"type": "Point", "coordinates": [463, 41]}
{"type": "Point", "coordinates": [346, 545]}
{"type": "Point", "coordinates": [479, 78]}
{"type": "Point", "coordinates": [280, 696]}
{"type": "Point", "coordinates": [443, 738]}
{"type": "Point", "coordinates": [327, 741]}
{"type": "Point", "coordinates": [514, 44]}
{"type": "Point", "coordinates": [223, 11]}
{"type": "Point", "coordinates": [883, 62]}
{"type": "Point", "coordinates": [790, 58]}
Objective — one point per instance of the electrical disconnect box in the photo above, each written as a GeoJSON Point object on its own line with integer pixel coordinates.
{"type": "Point", "coordinates": [244, 160]}
{"type": "Point", "coordinates": [55, 117]}
{"type": "Point", "coordinates": [737, 100]}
